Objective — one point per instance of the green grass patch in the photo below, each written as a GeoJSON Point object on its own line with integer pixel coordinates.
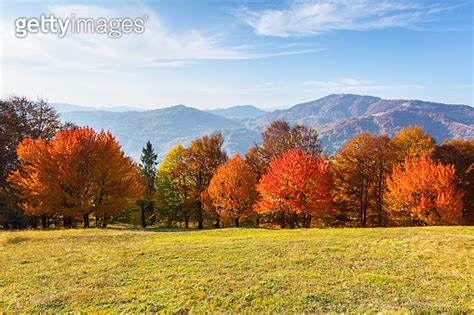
{"type": "Point", "coordinates": [429, 269]}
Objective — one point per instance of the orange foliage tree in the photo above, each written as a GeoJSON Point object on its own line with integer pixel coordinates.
{"type": "Point", "coordinates": [27, 180]}
{"type": "Point", "coordinates": [296, 183]}
{"type": "Point", "coordinates": [359, 170]}
{"type": "Point", "coordinates": [232, 189]}
{"type": "Point", "coordinates": [460, 153]}
{"type": "Point", "coordinates": [77, 173]}
{"type": "Point", "coordinates": [424, 191]}
{"type": "Point", "coordinates": [198, 165]}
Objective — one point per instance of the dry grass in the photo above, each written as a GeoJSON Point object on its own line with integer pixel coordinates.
{"type": "Point", "coordinates": [245, 270]}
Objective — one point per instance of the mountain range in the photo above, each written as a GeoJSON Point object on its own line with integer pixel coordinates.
{"type": "Point", "coordinates": [239, 112]}
{"type": "Point", "coordinates": [337, 117]}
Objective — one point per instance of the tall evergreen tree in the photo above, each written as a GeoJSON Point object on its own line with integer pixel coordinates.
{"type": "Point", "coordinates": [148, 170]}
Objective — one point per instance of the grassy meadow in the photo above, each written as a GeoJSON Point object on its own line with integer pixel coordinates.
{"type": "Point", "coordinates": [239, 270]}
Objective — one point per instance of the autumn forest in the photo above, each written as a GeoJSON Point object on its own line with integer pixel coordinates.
{"type": "Point", "coordinates": [60, 175]}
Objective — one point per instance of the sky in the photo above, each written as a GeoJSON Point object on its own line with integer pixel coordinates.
{"type": "Point", "coordinates": [214, 54]}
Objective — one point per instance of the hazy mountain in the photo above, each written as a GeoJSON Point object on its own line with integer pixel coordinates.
{"type": "Point", "coordinates": [329, 109]}
{"type": "Point", "coordinates": [239, 112]}
{"type": "Point", "coordinates": [337, 117]}
{"type": "Point", "coordinates": [65, 108]}
{"type": "Point", "coordinates": [163, 127]}
{"type": "Point", "coordinates": [441, 121]}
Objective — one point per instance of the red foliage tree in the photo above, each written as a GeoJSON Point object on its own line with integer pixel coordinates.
{"type": "Point", "coordinates": [296, 183]}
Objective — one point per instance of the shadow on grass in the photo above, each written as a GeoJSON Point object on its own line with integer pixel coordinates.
{"type": "Point", "coordinates": [174, 230]}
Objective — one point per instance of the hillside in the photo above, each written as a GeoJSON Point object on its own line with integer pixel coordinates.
{"type": "Point", "coordinates": [65, 108]}
{"type": "Point", "coordinates": [441, 121]}
{"type": "Point", "coordinates": [329, 109]}
{"type": "Point", "coordinates": [337, 117]}
{"type": "Point", "coordinates": [163, 127]}
{"type": "Point", "coordinates": [239, 112]}
{"type": "Point", "coordinates": [405, 270]}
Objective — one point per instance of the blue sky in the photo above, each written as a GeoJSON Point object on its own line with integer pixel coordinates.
{"type": "Point", "coordinates": [211, 54]}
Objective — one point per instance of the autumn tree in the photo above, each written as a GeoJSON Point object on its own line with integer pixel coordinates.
{"type": "Point", "coordinates": [77, 173]}
{"type": "Point", "coordinates": [11, 215]}
{"type": "Point", "coordinates": [383, 161]}
{"type": "Point", "coordinates": [200, 161]}
{"type": "Point", "coordinates": [209, 207]}
{"type": "Point", "coordinates": [23, 118]}
{"type": "Point", "coordinates": [412, 143]}
{"type": "Point", "coordinates": [425, 192]}
{"type": "Point", "coordinates": [33, 186]}
{"type": "Point", "coordinates": [232, 189]}
{"type": "Point", "coordinates": [460, 153]}
{"type": "Point", "coordinates": [295, 184]}
{"type": "Point", "coordinates": [20, 118]}
{"type": "Point", "coordinates": [148, 171]}
{"type": "Point", "coordinates": [259, 167]}
{"type": "Point", "coordinates": [359, 173]}
{"type": "Point", "coordinates": [254, 160]}
{"type": "Point", "coordinates": [118, 182]}
{"type": "Point", "coordinates": [173, 186]}
{"type": "Point", "coordinates": [279, 137]}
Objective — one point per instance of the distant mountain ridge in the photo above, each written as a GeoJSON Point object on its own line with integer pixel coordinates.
{"type": "Point", "coordinates": [337, 117]}
{"type": "Point", "coordinates": [65, 108]}
{"type": "Point", "coordinates": [239, 112]}
{"type": "Point", "coordinates": [163, 127]}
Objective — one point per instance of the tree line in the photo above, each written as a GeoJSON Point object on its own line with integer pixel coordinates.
{"type": "Point", "coordinates": [55, 174]}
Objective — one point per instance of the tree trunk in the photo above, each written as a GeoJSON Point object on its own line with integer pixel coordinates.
{"type": "Point", "coordinates": [44, 221]}
{"type": "Point", "coordinates": [199, 215]}
{"type": "Point", "coordinates": [308, 221]}
{"type": "Point", "coordinates": [292, 220]}
{"type": "Point", "coordinates": [361, 212]}
{"type": "Point", "coordinates": [186, 223]}
{"type": "Point", "coordinates": [282, 219]}
{"type": "Point", "coordinates": [217, 225]}
{"type": "Point", "coordinates": [105, 221]}
{"type": "Point", "coordinates": [67, 221]}
{"type": "Point", "coordinates": [151, 210]}
{"type": "Point", "coordinates": [34, 222]}
{"type": "Point", "coordinates": [142, 206]}
{"type": "Point", "coordinates": [366, 201]}
{"type": "Point", "coordinates": [380, 194]}
{"type": "Point", "coordinates": [236, 222]}
{"type": "Point", "coordinates": [85, 218]}
{"type": "Point", "coordinates": [257, 220]}
{"type": "Point", "coordinates": [379, 210]}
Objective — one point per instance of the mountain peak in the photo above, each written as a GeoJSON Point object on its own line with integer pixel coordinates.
{"type": "Point", "coordinates": [178, 106]}
{"type": "Point", "coordinates": [239, 112]}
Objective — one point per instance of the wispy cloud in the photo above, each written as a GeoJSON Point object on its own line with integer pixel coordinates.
{"type": "Point", "coordinates": [157, 47]}
{"type": "Point", "coordinates": [304, 18]}
{"type": "Point", "coordinates": [351, 85]}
